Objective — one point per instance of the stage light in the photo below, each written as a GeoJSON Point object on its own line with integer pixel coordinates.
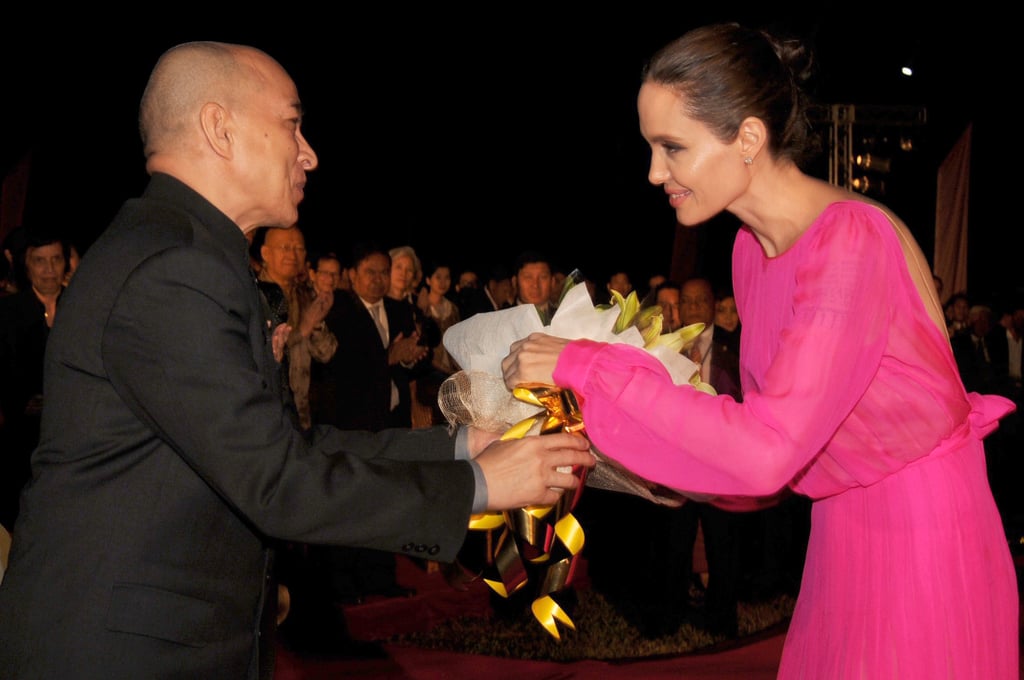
{"type": "Point", "coordinates": [871, 162]}
{"type": "Point", "coordinates": [864, 140]}
{"type": "Point", "coordinates": [868, 185]}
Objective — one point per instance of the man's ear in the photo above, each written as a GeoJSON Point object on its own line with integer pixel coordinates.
{"type": "Point", "coordinates": [752, 136]}
{"type": "Point", "coordinates": [215, 123]}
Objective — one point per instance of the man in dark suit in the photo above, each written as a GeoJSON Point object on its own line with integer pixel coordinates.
{"type": "Point", "coordinates": [650, 582]}
{"type": "Point", "coordinates": [719, 367]}
{"type": "Point", "coordinates": [168, 465]}
{"type": "Point", "coordinates": [495, 294]}
{"type": "Point", "coordinates": [981, 352]}
{"type": "Point", "coordinates": [759, 548]}
{"type": "Point", "coordinates": [369, 381]}
{"type": "Point", "coordinates": [376, 359]}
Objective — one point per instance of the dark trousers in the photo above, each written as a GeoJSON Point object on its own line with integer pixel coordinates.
{"type": "Point", "coordinates": [350, 574]}
{"type": "Point", "coordinates": [772, 548]}
{"type": "Point", "coordinates": [721, 549]}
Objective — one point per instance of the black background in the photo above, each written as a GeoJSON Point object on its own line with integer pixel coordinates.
{"type": "Point", "coordinates": [473, 134]}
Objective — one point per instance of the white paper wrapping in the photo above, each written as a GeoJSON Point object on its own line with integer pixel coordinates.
{"type": "Point", "coordinates": [477, 395]}
{"type": "Point", "coordinates": [480, 342]}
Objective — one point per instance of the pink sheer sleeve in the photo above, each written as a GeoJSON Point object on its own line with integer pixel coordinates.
{"type": "Point", "coordinates": [824, 359]}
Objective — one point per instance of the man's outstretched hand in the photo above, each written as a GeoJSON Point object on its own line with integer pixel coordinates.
{"type": "Point", "coordinates": [521, 472]}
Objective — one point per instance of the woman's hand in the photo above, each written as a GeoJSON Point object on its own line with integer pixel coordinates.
{"type": "Point", "coordinates": [532, 360]}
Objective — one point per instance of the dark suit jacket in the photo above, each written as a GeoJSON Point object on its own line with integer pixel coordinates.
{"type": "Point", "coordinates": [23, 336]}
{"type": "Point", "coordinates": [670, 533]}
{"type": "Point", "coordinates": [472, 301]}
{"type": "Point", "coordinates": [977, 373]}
{"type": "Point", "coordinates": [168, 464]}
{"type": "Point", "coordinates": [724, 370]}
{"type": "Point", "coordinates": [358, 373]}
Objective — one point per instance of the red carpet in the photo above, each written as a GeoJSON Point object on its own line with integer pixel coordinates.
{"type": "Point", "coordinates": [755, 661]}
{"type": "Point", "coordinates": [751, 658]}
{"type": "Point", "coordinates": [754, 658]}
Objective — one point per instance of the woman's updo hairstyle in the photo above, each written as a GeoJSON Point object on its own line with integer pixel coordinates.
{"type": "Point", "coordinates": [728, 72]}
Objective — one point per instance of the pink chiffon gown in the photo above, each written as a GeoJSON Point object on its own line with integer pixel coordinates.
{"type": "Point", "coordinates": [852, 398]}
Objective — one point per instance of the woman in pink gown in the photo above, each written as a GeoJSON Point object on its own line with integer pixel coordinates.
{"type": "Point", "coordinates": [851, 393]}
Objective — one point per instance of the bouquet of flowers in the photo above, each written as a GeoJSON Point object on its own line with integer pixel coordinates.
{"type": "Point", "coordinates": [477, 396]}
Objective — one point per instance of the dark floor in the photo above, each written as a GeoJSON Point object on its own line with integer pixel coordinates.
{"type": "Point", "coordinates": [752, 658]}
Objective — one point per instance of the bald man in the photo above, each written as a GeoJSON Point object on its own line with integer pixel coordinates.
{"type": "Point", "coordinates": [168, 466]}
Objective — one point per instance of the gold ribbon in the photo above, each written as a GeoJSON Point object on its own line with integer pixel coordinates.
{"type": "Point", "coordinates": [545, 537]}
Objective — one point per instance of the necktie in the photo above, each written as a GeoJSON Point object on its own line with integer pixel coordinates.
{"type": "Point", "coordinates": [695, 357]}
{"type": "Point", "coordinates": [377, 311]}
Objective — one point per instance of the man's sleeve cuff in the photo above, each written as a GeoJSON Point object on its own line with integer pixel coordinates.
{"type": "Point", "coordinates": [462, 453]}
{"type": "Point", "coordinates": [480, 494]}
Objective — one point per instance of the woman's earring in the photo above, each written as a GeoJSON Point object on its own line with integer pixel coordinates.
{"type": "Point", "coordinates": [748, 160]}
